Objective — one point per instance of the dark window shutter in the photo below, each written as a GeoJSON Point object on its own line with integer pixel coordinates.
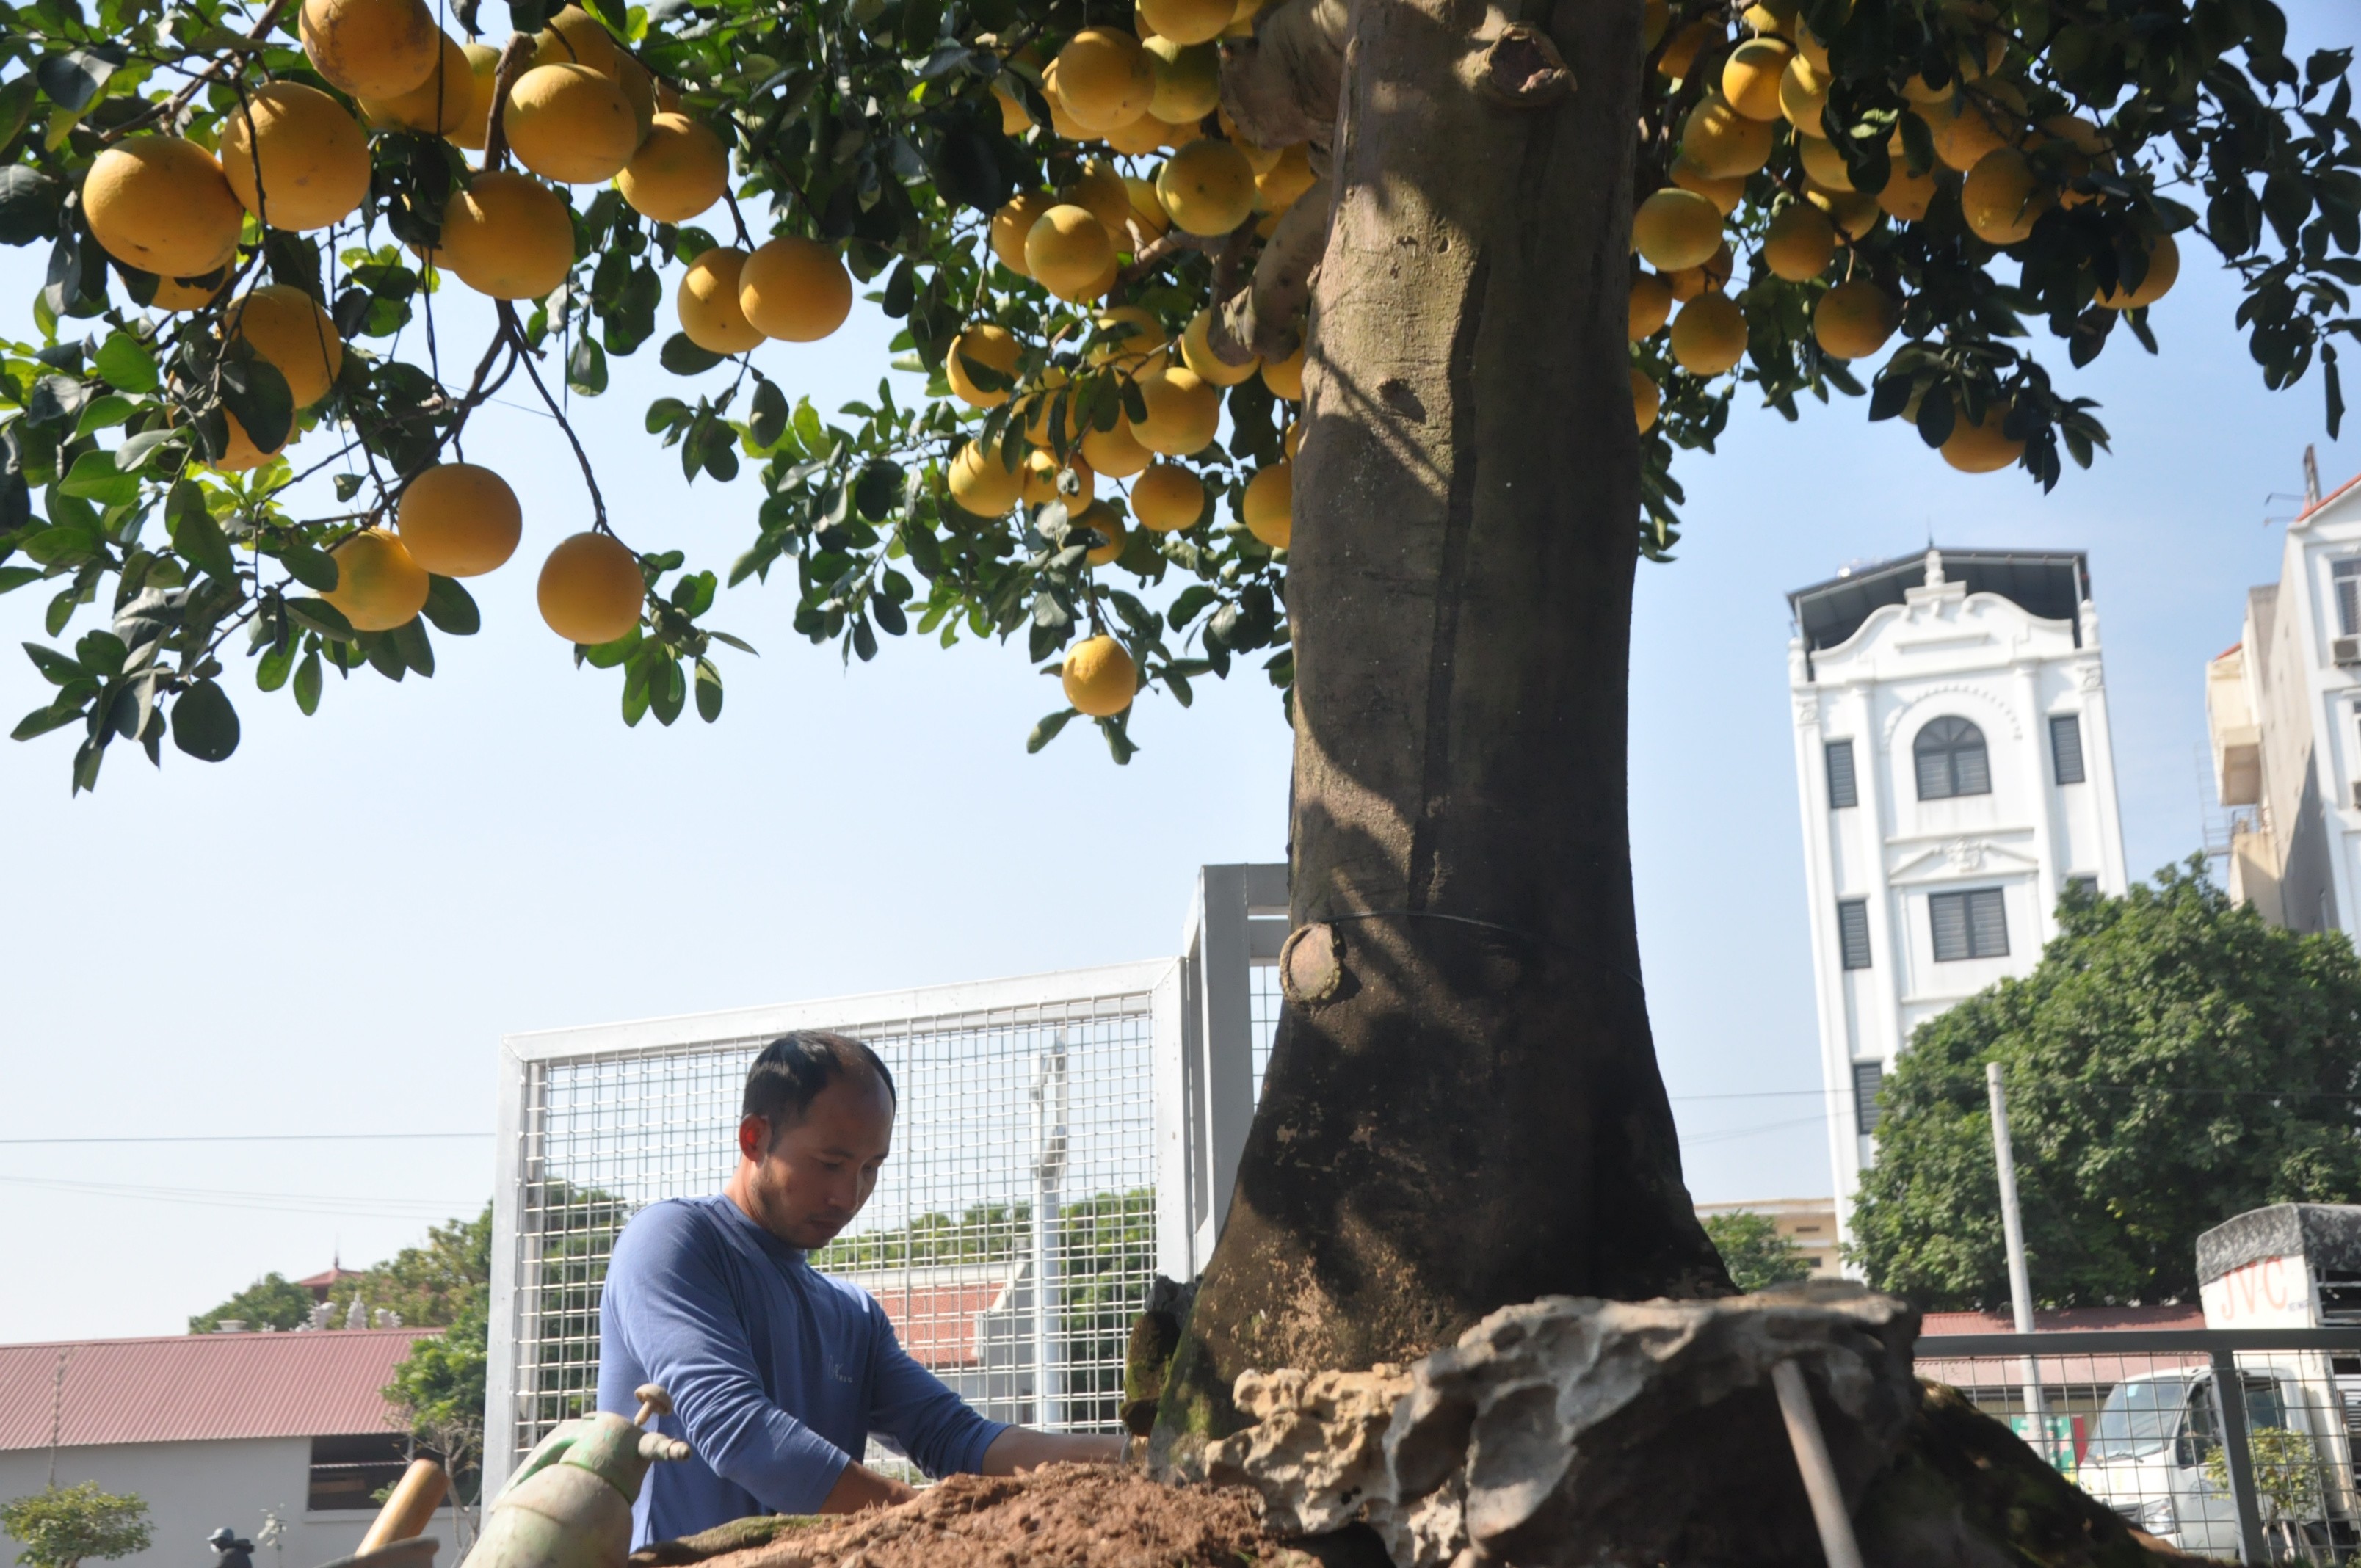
{"type": "Point", "coordinates": [1935, 775]}
{"type": "Point", "coordinates": [1972, 770]}
{"type": "Point", "coordinates": [1948, 913]}
{"type": "Point", "coordinates": [1853, 931]}
{"type": "Point", "coordinates": [2066, 747]}
{"type": "Point", "coordinates": [1868, 1084]}
{"type": "Point", "coordinates": [1842, 791]}
{"type": "Point", "coordinates": [1987, 924]}
{"type": "Point", "coordinates": [2084, 885]}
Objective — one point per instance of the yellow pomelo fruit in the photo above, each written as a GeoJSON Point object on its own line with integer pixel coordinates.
{"type": "Point", "coordinates": [1655, 18]}
{"type": "Point", "coordinates": [1853, 212]}
{"type": "Point", "coordinates": [1013, 120]}
{"type": "Point", "coordinates": [371, 49]}
{"type": "Point", "coordinates": [1918, 90]}
{"type": "Point", "coordinates": [2002, 197]}
{"type": "Point", "coordinates": [379, 584]}
{"type": "Point", "coordinates": [1207, 186]}
{"type": "Point", "coordinates": [994, 348]}
{"type": "Point", "coordinates": [1099, 191]}
{"type": "Point", "coordinates": [1115, 453]}
{"type": "Point", "coordinates": [459, 521]}
{"type": "Point", "coordinates": [1037, 405]}
{"type": "Point", "coordinates": [575, 36]}
{"type": "Point", "coordinates": [1800, 242]}
{"type": "Point", "coordinates": [1138, 138]}
{"type": "Point", "coordinates": [314, 158]}
{"type": "Point", "coordinates": [1277, 188]}
{"type": "Point", "coordinates": [1802, 95]}
{"type": "Point", "coordinates": [1983, 448]}
{"type": "Point", "coordinates": [1769, 20]}
{"type": "Point", "coordinates": [1197, 353]}
{"type": "Point", "coordinates": [667, 97]}
{"type": "Point", "coordinates": [243, 454]}
{"type": "Point", "coordinates": [1099, 518]}
{"type": "Point", "coordinates": [1647, 401]}
{"type": "Point", "coordinates": [1269, 505]}
{"type": "Point", "coordinates": [1906, 195]}
{"type": "Point", "coordinates": [290, 331]}
{"type": "Point", "coordinates": [1750, 77]}
{"type": "Point", "coordinates": [795, 290]}
{"type": "Point", "coordinates": [1715, 272]}
{"type": "Point", "coordinates": [708, 304]}
{"type": "Point", "coordinates": [1823, 165]}
{"type": "Point", "coordinates": [1709, 335]}
{"type": "Point", "coordinates": [437, 106]}
{"type": "Point", "coordinates": [1261, 159]}
{"type": "Point", "coordinates": [679, 171]}
{"type": "Point", "coordinates": [1681, 52]}
{"type": "Point", "coordinates": [1038, 482]}
{"type": "Point", "coordinates": [1168, 498]}
{"type": "Point", "coordinates": [981, 484]}
{"type": "Point", "coordinates": [569, 123]}
{"type": "Point", "coordinates": [508, 235]}
{"type": "Point", "coordinates": [590, 589]}
{"type": "Point", "coordinates": [1184, 410]}
{"type": "Point", "coordinates": [1652, 305]}
{"type": "Point", "coordinates": [1853, 320]}
{"type": "Point", "coordinates": [160, 204]}
{"type": "Point", "coordinates": [640, 89]}
{"type": "Point", "coordinates": [1675, 228]}
{"type": "Point", "coordinates": [2163, 268]}
{"type": "Point", "coordinates": [1808, 47]}
{"type": "Point", "coordinates": [1104, 78]}
{"type": "Point", "coordinates": [1963, 132]}
{"type": "Point", "coordinates": [1725, 194]}
{"type": "Point", "coordinates": [1188, 21]}
{"type": "Point", "coordinates": [1062, 123]}
{"type": "Point", "coordinates": [172, 294]}
{"type": "Point", "coordinates": [1721, 142]}
{"type": "Point", "coordinates": [1067, 250]}
{"type": "Point", "coordinates": [484, 65]}
{"type": "Point", "coordinates": [1012, 222]}
{"type": "Point", "coordinates": [1099, 677]}
{"type": "Point", "coordinates": [1285, 377]}
{"type": "Point", "coordinates": [1293, 440]}
{"type": "Point", "coordinates": [1188, 79]}
{"type": "Point", "coordinates": [1130, 336]}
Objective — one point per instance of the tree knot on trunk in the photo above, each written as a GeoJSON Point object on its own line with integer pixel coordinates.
{"type": "Point", "coordinates": [1312, 964]}
{"type": "Point", "coordinates": [1523, 68]}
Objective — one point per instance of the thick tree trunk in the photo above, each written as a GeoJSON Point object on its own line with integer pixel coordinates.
{"type": "Point", "coordinates": [1463, 1110]}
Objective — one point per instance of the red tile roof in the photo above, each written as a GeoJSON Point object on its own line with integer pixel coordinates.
{"type": "Point", "coordinates": [192, 1387]}
{"type": "Point", "coordinates": [2059, 1319]}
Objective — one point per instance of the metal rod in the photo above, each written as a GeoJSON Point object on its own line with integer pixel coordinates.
{"type": "Point", "coordinates": [2230, 1407]}
{"type": "Point", "coordinates": [1837, 1542]}
{"type": "Point", "coordinates": [2020, 1280]}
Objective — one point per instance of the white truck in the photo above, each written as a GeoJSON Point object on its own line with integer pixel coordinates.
{"type": "Point", "coordinates": [2153, 1450]}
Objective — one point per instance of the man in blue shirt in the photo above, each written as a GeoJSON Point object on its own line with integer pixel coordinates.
{"type": "Point", "coordinates": [777, 1373]}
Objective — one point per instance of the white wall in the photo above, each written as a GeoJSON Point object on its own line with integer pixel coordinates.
{"type": "Point", "coordinates": [193, 1488]}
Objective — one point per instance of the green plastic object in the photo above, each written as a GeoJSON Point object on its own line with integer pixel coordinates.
{"type": "Point", "coordinates": [569, 1504]}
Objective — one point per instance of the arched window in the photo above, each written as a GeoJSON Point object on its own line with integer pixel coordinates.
{"type": "Point", "coordinates": [1952, 759]}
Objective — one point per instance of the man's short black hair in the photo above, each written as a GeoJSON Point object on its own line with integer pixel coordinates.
{"type": "Point", "coordinates": [794, 1068]}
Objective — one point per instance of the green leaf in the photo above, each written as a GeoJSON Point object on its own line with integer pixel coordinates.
{"type": "Point", "coordinates": [319, 615]}
{"type": "Point", "coordinates": [683, 358]}
{"type": "Point", "coordinates": [708, 692]}
{"type": "Point", "coordinates": [256, 395]}
{"type": "Point", "coordinates": [196, 535]}
{"type": "Point", "coordinates": [94, 478]}
{"type": "Point", "coordinates": [767, 419]}
{"type": "Point", "coordinates": [1046, 730]}
{"type": "Point", "coordinates": [29, 198]}
{"type": "Point", "coordinates": [315, 569]}
{"type": "Point", "coordinates": [586, 368]}
{"type": "Point", "coordinates": [452, 607]}
{"type": "Point", "coordinates": [276, 663]}
{"type": "Point", "coordinates": [57, 716]}
{"type": "Point", "coordinates": [307, 683]}
{"type": "Point", "coordinates": [125, 361]}
{"type": "Point", "coordinates": [72, 80]}
{"type": "Point", "coordinates": [204, 724]}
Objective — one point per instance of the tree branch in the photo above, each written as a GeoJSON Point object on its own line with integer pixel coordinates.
{"type": "Point", "coordinates": [1280, 86]}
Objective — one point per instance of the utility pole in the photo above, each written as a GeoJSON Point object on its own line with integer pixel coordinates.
{"type": "Point", "coordinates": [2020, 1283]}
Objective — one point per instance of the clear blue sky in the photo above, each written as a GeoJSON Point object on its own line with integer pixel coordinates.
{"type": "Point", "coordinates": [332, 931]}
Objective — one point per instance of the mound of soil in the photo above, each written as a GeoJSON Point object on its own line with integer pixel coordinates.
{"type": "Point", "coordinates": [1063, 1516]}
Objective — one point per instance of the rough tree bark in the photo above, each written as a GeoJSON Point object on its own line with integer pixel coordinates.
{"type": "Point", "coordinates": [1463, 1110]}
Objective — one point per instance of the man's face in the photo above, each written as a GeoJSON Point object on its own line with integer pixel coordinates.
{"type": "Point", "coordinates": [805, 1182]}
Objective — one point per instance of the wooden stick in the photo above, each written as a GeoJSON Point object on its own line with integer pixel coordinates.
{"type": "Point", "coordinates": [415, 1498]}
{"type": "Point", "coordinates": [1819, 1475]}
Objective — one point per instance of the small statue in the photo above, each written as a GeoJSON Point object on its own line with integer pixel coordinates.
{"type": "Point", "coordinates": [569, 1504]}
{"type": "Point", "coordinates": [229, 1552]}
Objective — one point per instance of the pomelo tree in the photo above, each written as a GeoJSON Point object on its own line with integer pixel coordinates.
{"type": "Point", "coordinates": [1440, 287]}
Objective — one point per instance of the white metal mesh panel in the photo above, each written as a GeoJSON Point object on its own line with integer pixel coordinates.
{"type": "Point", "coordinates": [1263, 1002]}
{"type": "Point", "coordinates": [1044, 1109]}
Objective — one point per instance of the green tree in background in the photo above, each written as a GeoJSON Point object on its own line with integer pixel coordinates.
{"type": "Point", "coordinates": [436, 1285]}
{"type": "Point", "coordinates": [2172, 1061]}
{"type": "Point", "coordinates": [273, 1302]}
{"type": "Point", "coordinates": [63, 1526]}
{"type": "Point", "coordinates": [439, 1391]}
{"type": "Point", "coordinates": [1755, 1252]}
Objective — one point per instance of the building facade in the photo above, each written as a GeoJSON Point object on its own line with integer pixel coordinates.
{"type": "Point", "coordinates": [2284, 709]}
{"type": "Point", "coordinates": [1953, 761]}
{"type": "Point", "coordinates": [213, 1430]}
{"type": "Point", "coordinates": [1807, 1224]}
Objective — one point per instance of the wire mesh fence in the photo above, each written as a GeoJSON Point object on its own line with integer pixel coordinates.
{"type": "Point", "coordinates": [1011, 1239]}
{"type": "Point", "coordinates": [2138, 1420]}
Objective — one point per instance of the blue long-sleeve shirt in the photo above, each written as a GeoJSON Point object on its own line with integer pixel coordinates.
{"type": "Point", "coordinates": [777, 1373]}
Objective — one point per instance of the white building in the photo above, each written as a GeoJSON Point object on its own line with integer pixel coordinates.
{"type": "Point", "coordinates": [215, 1430]}
{"type": "Point", "coordinates": [1956, 773]}
{"type": "Point", "coordinates": [2284, 706]}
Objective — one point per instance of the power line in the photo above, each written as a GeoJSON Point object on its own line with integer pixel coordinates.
{"type": "Point", "coordinates": [342, 1206]}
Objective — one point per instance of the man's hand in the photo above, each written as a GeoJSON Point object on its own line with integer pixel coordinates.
{"type": "Point", "coordinates": [860, 1487]}
{"type": "Point", "coordinates": [1020, 1449]}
